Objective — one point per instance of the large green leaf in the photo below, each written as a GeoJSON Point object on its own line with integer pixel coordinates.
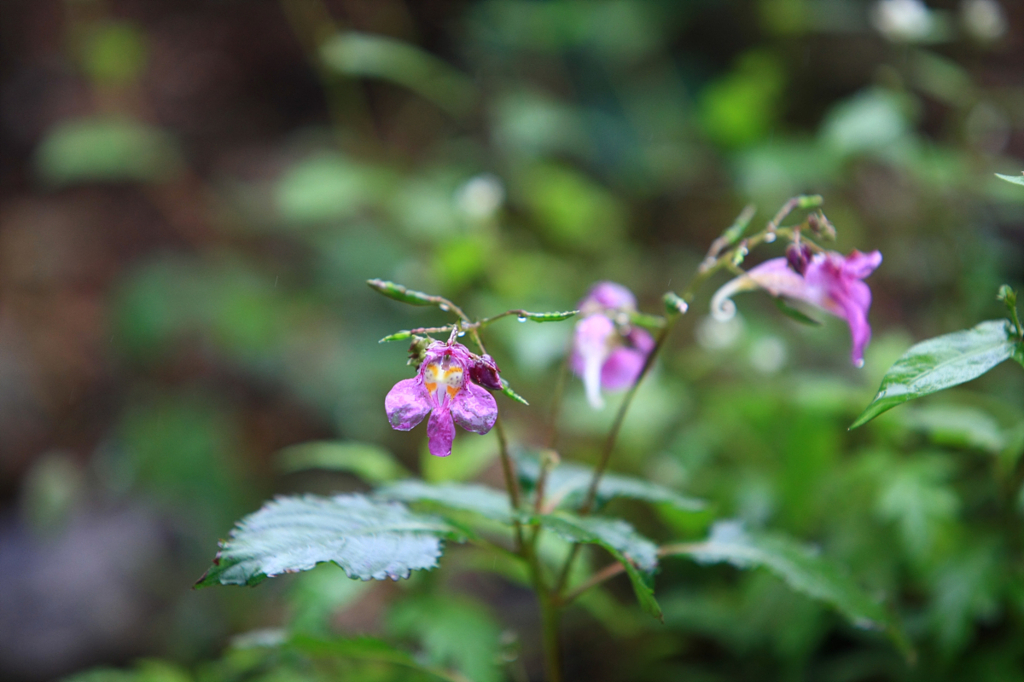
{"type": "Point", "coordinates": [637, 554]}
{"type": "Point", "coordinates": [940, 363]}
{"type": "Point", "coordinates": [799, 566]}
{"type": "Point", "coordinates": [487, 502]}
{"type": "Point", "coordinates": [367, 538]}
{"type": "Point", "coordinates": [568, 483]}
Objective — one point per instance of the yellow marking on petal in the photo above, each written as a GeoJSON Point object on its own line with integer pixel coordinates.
{"type": "Point", "coordinates": [453, 390]}
{"type": "Point", "coordinates": [430, 386]}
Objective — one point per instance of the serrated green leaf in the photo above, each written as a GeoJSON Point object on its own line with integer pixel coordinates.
{"type": "Point", "coordinates": [635, 552]}
{"type": "Point", "coordinates": [800, 567]}
{"type": "Point", "coordinates": [568, 483]}
{"type": "Point", "coordinates": [507, 390]}
{"type": "Point", "coordinates": [399, 293]}
{"type": "Point", "coordinates": [367, 538]}
{"type": "Point", "coordinates": [487, 502]}
{"type": "Point", "coordinates": [794, 314]}
{"type": "Point", "coordinates": [940, 363]}
{"type": "Point", "coordinates": [548, 317]}
{"type": "Point", "coordinates": [397, 336]}
{"type": "Point", "coordinates": [371, 463]}
{"type": "Point", "coordinates": [1015, 179]}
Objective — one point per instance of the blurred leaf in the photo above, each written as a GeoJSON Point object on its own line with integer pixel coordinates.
{"type": "Point", "coordinates": [317, 595]}
{"type": "Point", "coordinates": [366, 538]}
{"type": "Point", "coordinates": [375, 56]}
{"type": "Point", "coordinates": [366, 649]}
{"type": "Point", "coordinates": [471, 454]}
{"type": "Point", "coordinates": [328, 187]}
{"type": "Point", "coordinates": [115, 53]}
{"type": "Point", "coordinates": [106, 149]}
{"type": "Point", "coordinates": [1015, 179]}
{"type": "Point", "coordinates": [568, 483]}
{"type": "Point", "coordinates": [574, 211]}
{"type": "Point", "coordinates": [143, 671]}
{"type": "Point", "coordinates": [741, 107]}
{"type": "Point", "coordinates": [794, 314]}
{"type": "Point", "coordinates": [620, 540]}
{"type": "Point", "coordinates": [455, 632]}
{"type": "Point", "coordinates": [487, 502]}
{"type": "Point", "coordinates": [873, 120]}
{"type": "Point", "coordinates": [370, 462]}
{"type": "Point", "coordinates": [958, 426]}
{"type": "Point", "coordinates": [916, 496]}
{"type": "Point", "coordinates": [940, 363]}
{"type": "Point", "coordinates": [801, 568]}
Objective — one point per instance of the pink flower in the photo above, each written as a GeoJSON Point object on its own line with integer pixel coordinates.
{"type": "Point", "coordinates": [607, 352]}
{"type": "Point", "coordinates": [828, 280]}
{"type": "Point", "coordinates": [444, 388]}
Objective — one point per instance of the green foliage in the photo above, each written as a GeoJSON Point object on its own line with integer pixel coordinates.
{"type": "Point", "coordinates": [399, 293]}
{"type": "Point", "coordinates": [367, 539]}
{"type": "Point", "coordinates": [486, 502]}
{"type": "Point", "coordinates": [637, 554]}
{"type": "Point", "coordinates": [567, 483]}
{"type": "Point", "coordinates": [801, 568]}
{"type": "Point", "coordinates": [940, 363]}
{"type": "Point", "coordinates": [106, 149]}
{"type": "Point", "coordinates": [1015, 179]}
{"type": "Point", "coordinates": [370, 462]}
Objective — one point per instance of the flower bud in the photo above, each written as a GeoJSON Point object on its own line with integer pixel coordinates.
{"type": "Point", "coordinates": [485, 372]}
{"type": "Point", "coordinates": [798, 256]}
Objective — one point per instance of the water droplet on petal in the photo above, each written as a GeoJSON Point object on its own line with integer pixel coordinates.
{"type": "Point", "coordinates": [769, 238]}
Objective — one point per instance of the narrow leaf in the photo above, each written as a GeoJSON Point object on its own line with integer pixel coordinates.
{"type": "Point", "coordinates": [487, 502]}
{"type": "Point", "coordinates": [364, 649]}
{"type": "Point", "coordinates": [1015, 179]}
{"type": "Point", "coordinates": [400, 293]}
{"type": "Point", "coordinates": [800, 567]}
{"type": "Point", "coordinates": [637, 554]}
{"type": "Point", "coordinates": [547, 317]}
{"type": "Point", "coordinates": [674, 303]}
{"type": "Point", "coordinates": [397, 336]}
{"type": "Point", "coordinates": [652, 322]}
{"type": "Point", "coordinates": [794, 314]}
{"type": "Point", "coordinates": [507, 390]}
{"type": "Point", "coordinates": [567, 484]}
{"type": "Point", "coordinates": [940, 363]}
{"type": "Point", "coordinates": [371, 463]}
{"type": "Point", "coordinates": [366, 538]}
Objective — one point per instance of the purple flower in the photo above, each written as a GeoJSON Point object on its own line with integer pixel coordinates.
{"type": "Point", "coordinates": [606, 351]}
{"type": "Point", "coordinates": [828, 280]}
{"type": "Point", "coordinates": [443, 388]}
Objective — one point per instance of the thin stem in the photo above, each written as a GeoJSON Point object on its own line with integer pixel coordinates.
{"type": "Point", "coordinates": [552, 647]}
{"type": "Point", "coordinates": [614, 569]}
{"type": "Point", "coordinates": [556, 403]}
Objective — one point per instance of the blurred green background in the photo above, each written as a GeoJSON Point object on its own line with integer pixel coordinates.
{"type": "Point", "coordinates": [194, 193]}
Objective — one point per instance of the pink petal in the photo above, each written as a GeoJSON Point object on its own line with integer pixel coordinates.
{"type": "Point", "coordinates": [440, 432]}
{"type": "Point", "coordinates": [474, 409]}
{"type": "Point", "coordinates": [591, 347]}
{"type": "Point", "coordinates": [609, 295]}
{"type": "Point", "coordinates": [860, 265]}
{"type": "Point", "coordinates": [622, 368]}
{"type": "Point", "coordinates": [407, 403]}
{"type": "Point", "coordinates": [854, 302]}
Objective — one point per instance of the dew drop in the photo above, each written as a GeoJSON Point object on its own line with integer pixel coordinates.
{"type": "Point", "coordinates": [444, 307]}
{"type": "Point", "coordinates": [461, 334]}
{"type": "Point", "coordinates": [769, 238]}
{"type": "Point", "coordinates": [522, 318]}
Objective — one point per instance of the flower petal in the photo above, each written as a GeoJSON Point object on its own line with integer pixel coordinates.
{"type": "Point", "coordinates": [860, 265]}
{"type": "Point", "coordinates": [591, 347]}
{"type": "Point", "coordinates": [622, 368]}
{"type": "Point", "coordinates": [474, 409]}
{"type": "Point", "coordinates": [440, 432]}
{"type": "Point", "coordinates": [854, 302]}
{"type": "Point", "coordinates": [609, 295]}
{"type": "Point", "coordinates": [407, 403]}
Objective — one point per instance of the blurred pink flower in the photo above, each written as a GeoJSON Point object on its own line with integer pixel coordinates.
{"type": "Point", "coordinates": [605, 354]}
{"type": "Point", "coordinates": [444, 388]}
{"type": "Point", "coordinates": [827, 280]}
